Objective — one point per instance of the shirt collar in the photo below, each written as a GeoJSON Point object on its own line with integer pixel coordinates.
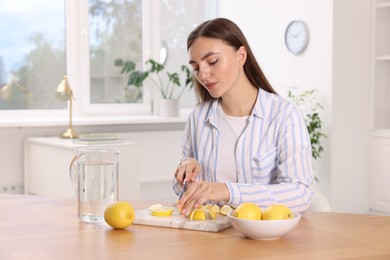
{"type": "Point", "coordinates": [212, 113]}
{"type": "Point", "coordinates": [261, 103]}
{"type": "Point", "coordinates": [258, 109]}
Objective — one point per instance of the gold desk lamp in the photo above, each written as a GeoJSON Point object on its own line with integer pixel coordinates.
{"type": "Point", "coordinates": [64, 92]}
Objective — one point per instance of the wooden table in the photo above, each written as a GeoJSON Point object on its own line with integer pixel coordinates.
{"type": "Point", "coordinates": [48, 228]}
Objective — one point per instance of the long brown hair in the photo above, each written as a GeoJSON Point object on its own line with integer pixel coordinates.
{"type": "Point", "coordinates": [227, 31]}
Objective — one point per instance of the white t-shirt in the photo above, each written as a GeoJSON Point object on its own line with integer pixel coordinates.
{"type": "Point", "coordinates": [230, 128]}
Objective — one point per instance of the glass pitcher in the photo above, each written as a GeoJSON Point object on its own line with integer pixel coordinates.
{"type": "Point", "coordinates": [94, 173]}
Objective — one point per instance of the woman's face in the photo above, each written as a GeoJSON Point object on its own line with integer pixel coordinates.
{"type": "Point", "coordinates": [217, 66]}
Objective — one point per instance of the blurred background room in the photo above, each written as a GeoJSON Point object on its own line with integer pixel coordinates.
{"type": "Point", "coordinates": [345, 63]}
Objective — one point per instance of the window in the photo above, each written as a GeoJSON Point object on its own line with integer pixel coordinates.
{"type": "Point", "coordinates": [32, 54]}
{"type": "Point", "coordinates": [88, 40]}
{"type": "Point", "coordinates": [115, 36]}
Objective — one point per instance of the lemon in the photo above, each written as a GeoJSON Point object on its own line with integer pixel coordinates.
{"type": "Point", "coordinates": [210, 214]}
{"type": "Point", "coordinates": [202, 214]}
{"type": "Point", "coordinates": [211, 207]}
{"type": "Point", "coordinates": [197, 214]}
{"type": "Point", "coordinates": [119, 215]}
{"type": "Point", "coordinates": [159, 210]}
{"type": "Point", "coordinates": [248, 210]}
{"type": "Point", "coordinates": [225, 209]}
{"type": "Point", "coordinates": [215, 209]}
{"type": "Point", "coordinates": [277, 212]}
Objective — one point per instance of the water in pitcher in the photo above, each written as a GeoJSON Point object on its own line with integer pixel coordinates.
{"type": "Point", "coordinates": [97, 189]}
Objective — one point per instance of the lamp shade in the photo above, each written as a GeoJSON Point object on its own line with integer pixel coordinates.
{"type": "Point", "coordinates": [63, 91]}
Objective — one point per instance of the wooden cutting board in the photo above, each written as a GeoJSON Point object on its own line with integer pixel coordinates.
{"type": "Point", "coordinates": [143, 217]}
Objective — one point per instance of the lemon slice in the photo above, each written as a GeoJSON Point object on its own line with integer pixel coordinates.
{"type": "Point", "coordinates": [191, 215]}
{"type": "Point", "coordinates": [207, 206]}
{"type": "Point", "coordinates": [158, 210]}
{"type": "Point", "coordinates": [212, 207]}
{"type": "Point", "coordinates": [197, 214]}
{"type": "Point", "coordinates": [202, 214]}
{"type": "Point", "coordinates": [225, 209]}
{"type": "Point", "coordinates": [210, 215]}
{"type": "Point", "coordinates": [215, 209]}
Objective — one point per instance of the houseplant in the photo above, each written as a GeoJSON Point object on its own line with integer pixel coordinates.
{"type": "Point", "coordinates": [310, 107]}
{"type": "Point", "coordinates": [170, 85]}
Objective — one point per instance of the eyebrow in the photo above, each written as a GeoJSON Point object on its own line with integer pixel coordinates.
{"type": "Point", "coordinates": [204, 57]}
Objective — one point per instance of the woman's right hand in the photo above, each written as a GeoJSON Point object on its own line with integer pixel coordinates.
{"type": "Point", "coordinates": [188, 170]}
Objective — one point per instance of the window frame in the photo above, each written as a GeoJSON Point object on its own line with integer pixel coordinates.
{"type": "Point", "coordinates": [78, 70]}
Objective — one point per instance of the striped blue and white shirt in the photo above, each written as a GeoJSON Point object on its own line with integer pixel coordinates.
{"type": "Point", "coordinates": [273, 154]}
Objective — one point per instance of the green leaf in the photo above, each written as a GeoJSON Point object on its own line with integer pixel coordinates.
{"type": "Point", "coordinates": [128, 67]}
{"type": "Point", "coordinates": [137, 78]}
{"type": "Point", "coordinates": [188, 73]}
{"type": "Point", "coordinates": [156, 67]}
{"type": "Point", "coordinates": [174, 78]}
{"type": "Point", "coordinates": [118, 63]}
{"type": "Point", "coordinates": [306, 99]}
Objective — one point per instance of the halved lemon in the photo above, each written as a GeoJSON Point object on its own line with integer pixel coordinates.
{"type": "Point", "coordinates": [197, 214]}
{"type": "Point", "coordinates": [215, 209]}
{"type": "Point", "coordinates": [202, 214]}
{"type": "Point", "coordinates": [158, 210]}
{"type": "Point", "coordinates": [225, 209]}
{"type": "Point", "coordinates": [212, 207]}
{"type": "Point", "coordinates": [210, 215]}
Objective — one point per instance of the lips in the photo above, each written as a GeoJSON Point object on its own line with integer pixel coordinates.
{"type": "Point", "coordinates": [211, 86]}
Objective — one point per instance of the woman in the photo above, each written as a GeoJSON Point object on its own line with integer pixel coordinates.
{"type": "Point", "coordinates": [242, 141]}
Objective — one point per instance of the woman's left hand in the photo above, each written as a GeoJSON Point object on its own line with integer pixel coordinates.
{"type": "Point", "coordinates": [199, 192]}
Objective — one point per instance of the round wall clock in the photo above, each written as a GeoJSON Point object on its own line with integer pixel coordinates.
{"type": "Point", "coordinates": [296, 36]}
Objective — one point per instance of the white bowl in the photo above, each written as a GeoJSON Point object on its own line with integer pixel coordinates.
{"type": "Point", "coordinates": [264, 229]}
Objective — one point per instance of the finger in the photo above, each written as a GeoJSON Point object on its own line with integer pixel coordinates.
{"type": "Point", "coordinates": [192, 173]}
{"type": "Point", "coordinates": [195, 172]}
{"type": "Point", "coordinates": [187, 208]}
{"type": "Point", "coordinates": [179, 174]}
{"type": "Point", "coordinates": [188, 172]}
{"type": "Point", "coordinates": [182, 204]}
{"type": "Point", "coordinates": [199, 197]}
{"type": "Point", "coordinates": [195, 196]}
{"type": "Point", "coordinates": [201, 200]}
{"type": "Point", "coordinates": [185, 204]}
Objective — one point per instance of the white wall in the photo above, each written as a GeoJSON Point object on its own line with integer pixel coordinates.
{"type": "Point", "coordinates": [336, 63]}
{"type": "Point", "coordinates": [350, 105]}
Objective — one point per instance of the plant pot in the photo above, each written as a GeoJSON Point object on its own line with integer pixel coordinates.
{"type": "Point", "coordinates": [132, 94]}
{"type": "Point", "coordinates": [169, 107]}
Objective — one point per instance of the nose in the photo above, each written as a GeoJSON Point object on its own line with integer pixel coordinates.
{"type": "Point", "coordinates": [203, 73]}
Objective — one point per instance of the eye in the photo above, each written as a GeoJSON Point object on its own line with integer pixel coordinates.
{"type": "Point", "coordinates": [213, 62]}
{"type": "Point", "coordinates": [195, 67]}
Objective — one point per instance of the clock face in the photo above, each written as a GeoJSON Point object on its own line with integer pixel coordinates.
{"type": "Point", "coordinates": [297, 37]}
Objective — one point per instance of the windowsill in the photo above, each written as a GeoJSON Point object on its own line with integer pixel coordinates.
{"type": "Point", "coordinates": [94, 120]}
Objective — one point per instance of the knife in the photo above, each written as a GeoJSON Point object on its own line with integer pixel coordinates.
{"type": "Point", "coordinates": [185, 188]}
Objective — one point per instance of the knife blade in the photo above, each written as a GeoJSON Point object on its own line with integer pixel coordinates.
{"type": "Point", "coordinates": [185, 187]}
